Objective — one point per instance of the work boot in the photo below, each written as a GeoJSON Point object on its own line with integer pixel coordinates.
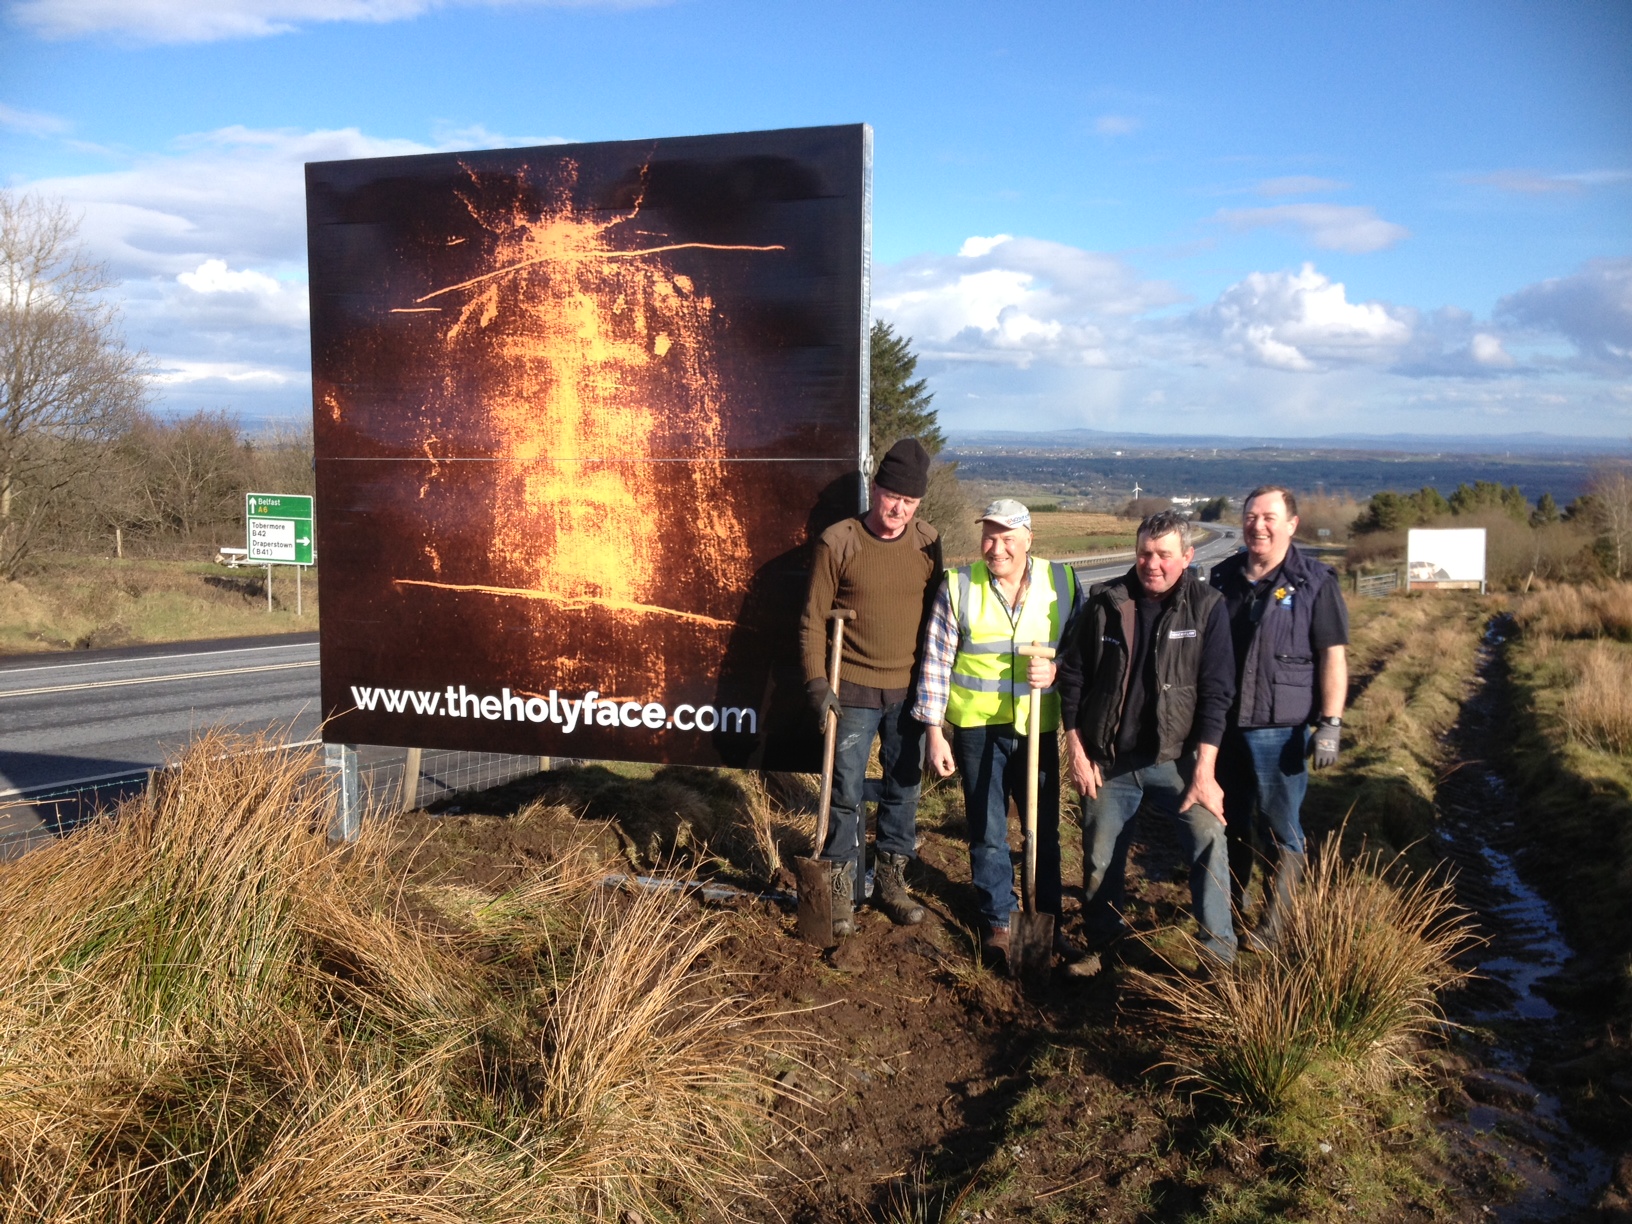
{"type": "Point", "coordinates": [1284, 882]}
{"type": "Point", "coordinates": [890, 890]}
{"type": "Point", "coordinates": [844, 908]}
{"type": "Point", "coordinates": [1074, 962]}
{"type": "Point", "coordinates": [994, 948]}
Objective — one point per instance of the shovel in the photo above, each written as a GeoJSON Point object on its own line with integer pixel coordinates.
{"type": "Point", "coordinates": [1031, 935]}
{"type": "Point", "coordinates": [816, 875]}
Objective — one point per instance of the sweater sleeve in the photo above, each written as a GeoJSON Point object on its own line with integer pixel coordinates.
{"type": "Point", "coordinates": [1215, 685]}
{"type": "Point", "coordinates": [824, 584]}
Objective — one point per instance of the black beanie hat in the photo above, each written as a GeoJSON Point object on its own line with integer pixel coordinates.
{"type": "Point", "coordinates": [905, 469]}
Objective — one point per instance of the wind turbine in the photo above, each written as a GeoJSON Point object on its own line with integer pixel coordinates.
{"type": "Point", "coordinates": [1136, 490]}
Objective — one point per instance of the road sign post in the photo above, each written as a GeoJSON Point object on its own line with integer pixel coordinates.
{"type": "Point", "coordinates": [278, 531]}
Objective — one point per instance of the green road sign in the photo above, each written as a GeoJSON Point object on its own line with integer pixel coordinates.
{"type": "Point", "coordinates": [279, 527]}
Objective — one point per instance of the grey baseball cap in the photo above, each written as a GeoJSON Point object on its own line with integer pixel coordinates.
{"type": "Point", "coordinates": [1008, 512]}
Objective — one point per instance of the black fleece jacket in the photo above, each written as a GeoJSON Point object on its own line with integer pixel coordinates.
{"type": "Point", "coordinates": [1215, 678]}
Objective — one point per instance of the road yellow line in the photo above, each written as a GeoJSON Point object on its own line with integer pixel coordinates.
{"type": "Point", "coordinates": [194, 675]}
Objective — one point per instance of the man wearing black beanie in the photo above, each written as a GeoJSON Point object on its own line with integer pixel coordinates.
{"type": "Point", "coordinates": [885, 565]}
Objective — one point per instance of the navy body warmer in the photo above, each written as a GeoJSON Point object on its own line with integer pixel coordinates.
{"type": "Point", "coordinates": [1278, 676]}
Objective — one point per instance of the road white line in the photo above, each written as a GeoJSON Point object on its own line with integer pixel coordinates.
{"type": "Point", "coordinates": [193, 675]}
{"type": "Point", "coordinates": [191, 654]}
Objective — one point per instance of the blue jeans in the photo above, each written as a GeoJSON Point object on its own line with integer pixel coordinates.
{"type": "Point", "coordinates": [1264, 778]}
{"type": "Point", "coordinates": [1107, 832]}
{"type": "Point", "coordinates": [992, 761]}
{"type": "Point", "coordinates": [901, 753]}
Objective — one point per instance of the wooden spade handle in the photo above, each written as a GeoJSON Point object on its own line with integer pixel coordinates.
{"type": "Point", "coordinates": [830, 736]}
{"type": "Point", "coordinates": [1028, 880]}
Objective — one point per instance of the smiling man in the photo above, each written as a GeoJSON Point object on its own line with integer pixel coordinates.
{"type": "Point", "coordinates": [883, 564]}
{"type": "Point", "coordinates": [974, 678]}
{"type": "Point", "coordinates": [1290, 631]}
{"type": "Point", "coordinates": [1145, 687]}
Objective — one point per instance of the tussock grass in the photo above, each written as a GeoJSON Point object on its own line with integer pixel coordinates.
{"type": "Point", "coordinates": [208, 1015]}
{"type": "Point", "coordinates": [1597, 708]}
{"type": "Point", "coordinates": [1578, 612]}
{"type": "Point", "coordinates": [1351, 988]}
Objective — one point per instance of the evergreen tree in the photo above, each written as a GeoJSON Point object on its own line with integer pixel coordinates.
{"type": "Point", "coordinates": [1546, 511]}
{"type": "Point", "coordinates": [899, 404]}
{"type": "Point", "coordinates": [900, 409]}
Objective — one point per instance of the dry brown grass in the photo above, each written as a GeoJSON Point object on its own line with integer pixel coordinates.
{"type": "Point", "coordinates": [208, 1015]}
{"type": "Point", "coordinates": [1351, 988]}
{"type": "Point", "coordinates": [1578, 612]}
{"type": "Point", "coordinates": [1597, 708]}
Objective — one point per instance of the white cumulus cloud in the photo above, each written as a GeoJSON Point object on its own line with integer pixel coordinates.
{"type": "Point", "coordinates": [1591, 308]}
{"type": "Point", "coordinates": [192, 21]}
{"type": "Point", "coordinates": [1354, 228]}
{"type": "Point", "coordinates": [1301, 321]}
{"type": "Point", "coordinates": [1003, 298]}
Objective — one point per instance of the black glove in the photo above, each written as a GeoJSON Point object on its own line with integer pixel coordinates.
{"type": "Point", "coordinates": [822, 700]}
{"type": "Point", "coordinates": [1327, 741]}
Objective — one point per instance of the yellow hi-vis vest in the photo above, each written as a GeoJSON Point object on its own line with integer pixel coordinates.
{"type": "Point", "coordinates": [988, 678]}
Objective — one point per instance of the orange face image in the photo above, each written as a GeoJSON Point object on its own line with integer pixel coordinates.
{"type": "Point", "coordinates": [578, 411]}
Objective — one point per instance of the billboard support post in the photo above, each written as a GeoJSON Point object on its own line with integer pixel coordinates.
{"type": "Point", "coordinates": [347, 824]}
{"type": "Point", "coordinates": [410, 779]}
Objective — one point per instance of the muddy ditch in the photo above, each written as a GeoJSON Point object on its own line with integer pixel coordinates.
{"type": "Point", "coordinates": [1512, 1021]}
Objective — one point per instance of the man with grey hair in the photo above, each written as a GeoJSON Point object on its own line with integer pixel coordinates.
{"type": "Point", "coordinates": [1145, 687]}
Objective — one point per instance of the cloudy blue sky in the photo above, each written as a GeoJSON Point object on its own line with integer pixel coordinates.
{"type": "Point", "coordinates": [1231, 218]}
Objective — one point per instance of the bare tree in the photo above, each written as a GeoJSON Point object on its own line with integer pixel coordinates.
{"type": "Point", "coordinates": [1611, 513]}
{"type": "Point", "coordinates": [68, 384]}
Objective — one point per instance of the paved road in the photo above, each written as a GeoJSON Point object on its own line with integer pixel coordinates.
{"type": "Point", "coordinates": [71, 719]}
{"type": "Point", "coordinates": [1208, 555]}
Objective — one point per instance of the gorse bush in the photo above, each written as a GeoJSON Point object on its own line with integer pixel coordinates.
{"type": "Point", "coordinates": [208, 1015]}
{"type": "Point", "coordinates": [1351, 987]}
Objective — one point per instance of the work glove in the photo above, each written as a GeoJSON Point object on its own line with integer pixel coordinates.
{"type": "Point", "coordinates": [1327, 741]}
{"type": "Point", "coordinates": [822, 699]}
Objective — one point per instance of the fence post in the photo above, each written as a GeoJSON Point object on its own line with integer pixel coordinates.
{"type": "Point", "coordinates": [410, 779]}
{"type": "Point", "coordinates": [347, 824]}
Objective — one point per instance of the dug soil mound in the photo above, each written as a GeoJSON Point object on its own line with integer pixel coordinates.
{"type": "Point", "coordinates": [931, 1086]}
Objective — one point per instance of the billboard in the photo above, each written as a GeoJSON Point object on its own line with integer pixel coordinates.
{"type": "Point", "coordinates": [1445, 558]}
{"type": "Point", "coordinates": [579, 413]}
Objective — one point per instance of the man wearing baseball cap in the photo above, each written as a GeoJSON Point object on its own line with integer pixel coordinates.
{"type": "Point", "coordinates": [883, 564]}
{"type": "Point", "coordinates": [973, 679]}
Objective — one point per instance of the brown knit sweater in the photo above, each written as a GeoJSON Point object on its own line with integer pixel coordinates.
{"type": "Point", "coordinates": [890, 583]}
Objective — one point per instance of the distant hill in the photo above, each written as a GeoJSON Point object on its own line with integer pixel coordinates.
{"type": "Point", "coordinates": [1056, 440]}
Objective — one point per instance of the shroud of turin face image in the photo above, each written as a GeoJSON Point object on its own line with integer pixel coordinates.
{"type": "Point", "coordinates": [579, 413]}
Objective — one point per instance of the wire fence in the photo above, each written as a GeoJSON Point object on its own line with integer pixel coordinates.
{"type": "Point", "coordinates": [38, 815]}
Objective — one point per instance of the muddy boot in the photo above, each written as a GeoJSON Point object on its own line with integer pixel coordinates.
{"type": "Point", "coordinates": [1288, 871]}
{"type": "Point", "coordinates": [890, 890]}
{"type": "Point", "coordinates": [844, 909]}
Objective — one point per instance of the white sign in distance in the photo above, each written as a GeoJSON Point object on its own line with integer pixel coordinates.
{"type": "Point", "coordinates": [1446, 558]}
{"type": "Point", "coordinates": [271, 539]}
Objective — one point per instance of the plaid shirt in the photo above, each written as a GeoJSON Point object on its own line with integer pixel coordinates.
{"type": "Point", "coordinates": [941, 638]}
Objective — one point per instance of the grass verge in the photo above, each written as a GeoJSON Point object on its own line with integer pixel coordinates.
{"type": "Point", "coordinates": [210, 1015]}
{"type": "Point", "coordinates": [69, 602]}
